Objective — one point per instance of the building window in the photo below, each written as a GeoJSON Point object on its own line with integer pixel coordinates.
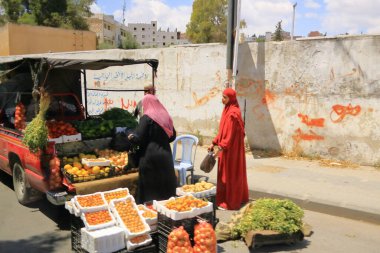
{"type": "Point", "coordinates": [164, 44]}
{"type": "Point", "coordinates": [154, 25]}
{"type": "Point", "coordinates": [134, 28]}
{"type": "Point", "coordinates": [164, 37]}
{"type": "Point", "coordinates": [154, 32]}
{"type": "Point", "coordinates": [143, 43]}
{"type": "Point", "coordinates": [172, 37]}
{"type": "Point", "coordinates": [143, 29]}
{"type": "Point", "coordinates": [154, 39]}
{"type": "Point", "coordinates": [109, 28]}
{"type": "Point", "coordinates": [135, 36]}
{"type": "Point", "coordinates": [143, 36]}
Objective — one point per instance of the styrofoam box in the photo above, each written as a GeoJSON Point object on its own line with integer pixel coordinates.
{"type": "Point", "coordinates": [115, 190]}
{"type": "Point", "coordinates": [202, 194]}
{"type": "Point", "coordinates": [96, 162]}
{"type": "Point", "coordinates": [150, 221]}
{"type": "Point", "coordinates": [69, 205]}
{"type": "Point", "coordinates": [175, 215]}
{"type": "Point", "coordinates": [92, 208]}
{"type": "Point", "coordinates": [104, 240]}
{"type": "Point", "coordinates": [57, 140]}
{"type": "Point", "coordinates": [98, 226]}
{"type": "Point", "coordinates": [153, 227]}
{"type": "Point", "coordinates": [76, 210]}
{"type": "Point", "coordinates": [131, 246]}
{"type": "Point", "coordinates": [71, 138]}
{"type": "Point", "coordinates": [120, 222]}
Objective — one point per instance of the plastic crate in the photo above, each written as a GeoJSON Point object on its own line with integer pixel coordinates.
{"type": "Point", "coordinates": [166, 224]}
{"type": "Point", "coordinates": [75, 225]}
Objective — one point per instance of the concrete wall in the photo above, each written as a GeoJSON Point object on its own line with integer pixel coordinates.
{"type": "Point", "coordinates": [316, 97]}
{"type": "Point", "coordinates": [313, 97]}
{"type": "Point", "coordinates": [4, 39]}
{"type": "Point", "coordinates": [26, 39]}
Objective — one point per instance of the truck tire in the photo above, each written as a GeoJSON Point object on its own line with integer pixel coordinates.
{"type": "Point", "coordinates": [23, 192]}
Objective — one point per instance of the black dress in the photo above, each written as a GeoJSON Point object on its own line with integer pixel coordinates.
{"type": "Point", "coordinates": [157, 180]}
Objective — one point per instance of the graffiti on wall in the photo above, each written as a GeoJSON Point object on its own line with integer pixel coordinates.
{"type": "Point", "coordinates": [101, 101]}
{"type": "Point", "coordinates": [204, 99]}
{"type": "Point", "coordinates": [339, 112]}
{"type": "Point", "coordinates": [113, 77]}
{"type": "Point", "coordinates": [310, 122]}
{"type": "Point", "coordinates": [310, 136]}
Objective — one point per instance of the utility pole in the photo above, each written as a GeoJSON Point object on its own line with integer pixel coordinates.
{"type": "Point", "coordinates": [294, 15]}
{"type": "Point", "coordinates": [230, 40]}
{"type": "Point", "coordinates": [236, 43]}
{"type": "Point", "coordinates": [124, 12]}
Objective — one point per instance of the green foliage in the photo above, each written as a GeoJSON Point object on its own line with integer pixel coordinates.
{"type": "Point", "coordinates": [129, 42]}
{"type": "Point", "coordinates": [105, 45]}
{"type": "Point", "coordinates": [260, 40]}
{"type": "Point", "coordinates": [208, 22]}
{"type": "Point", "coordinates": [283, 216]}
{"type": "Point", "coordinates": [27, 19]}
{"type": "Point", "coordinates": [36, 132]}
{"type": "Point", "coordinates": [278, 33]}
{"type": "Point", "coordinates": [58, 13]}
{"type": "Point", "coordinates": [12, 9]}
{"type": "Point", "coordinates": [120, 117]}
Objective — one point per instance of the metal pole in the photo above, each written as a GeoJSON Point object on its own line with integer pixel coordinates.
{"type": "Point", "coordinates": [294, 14]}
{"type": "Point", "coordinates": [236, 43]}
{"type": "Point", "coordinates": [230, 40]}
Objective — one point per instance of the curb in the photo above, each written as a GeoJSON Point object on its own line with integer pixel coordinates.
{"type": "Point", "coordinates": [323, 208]}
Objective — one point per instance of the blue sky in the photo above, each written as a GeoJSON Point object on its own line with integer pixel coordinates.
{"type": "Point", "coordinates": [326, 16]}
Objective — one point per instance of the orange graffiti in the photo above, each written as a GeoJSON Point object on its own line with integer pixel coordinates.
{"type": "Point", "coordinates": [130, 103]}
{"type": "Point", "coordinates": [203, 100]}
{"type": "Point", "coordinates": [268, 98]}
{"type": "Point", "coordinates": [107, 102]}
{"type": "Point", "coordinates": [342, 111]}
{"type": "Point", "coordinates": [319, 122]}
{"type": "Point", "coordinates": [311, 136]}
{"type": "Point", "coordinates": [243, 87]}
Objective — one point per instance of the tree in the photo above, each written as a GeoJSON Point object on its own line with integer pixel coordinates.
{"type": "Point", "coordinates": [54, 13]}
{"type": "Point", "coordinates": [12, 9]}
{"type": "Point", "coordinates": [278, 33]}
{"type": "Point", "coordinates": [129, 42]}
{"type": "Point", "coordinates": [208, 22]}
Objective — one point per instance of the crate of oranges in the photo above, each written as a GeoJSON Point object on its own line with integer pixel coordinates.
{"type": "Point", "coordinates": [118, 193]}
{"type": "Point", "coordinates": [149, 215]}
{"type": "Point", "coordinates": [90, 202]}
{"type": "Point", "coordinates": [128, 217]}
{"type": "Point", "coordinates": [98, 219]}
{"type": "Point", "coordinates": [183, 207]}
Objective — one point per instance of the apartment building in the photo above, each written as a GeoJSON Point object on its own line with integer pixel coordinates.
{"type": "Point", "coordinates": [110, 31]}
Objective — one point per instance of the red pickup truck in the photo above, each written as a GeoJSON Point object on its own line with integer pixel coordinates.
{"type": "Point", "coordinates": [63, 75]}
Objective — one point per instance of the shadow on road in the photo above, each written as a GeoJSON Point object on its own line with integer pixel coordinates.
{"type": "Point", "coordinates": [47, 242]}
{"type": "Point", "coordinates": [58, 214]}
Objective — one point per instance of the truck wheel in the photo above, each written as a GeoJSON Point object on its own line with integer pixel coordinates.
{"type": "Point", "coordinates": [23, 192]}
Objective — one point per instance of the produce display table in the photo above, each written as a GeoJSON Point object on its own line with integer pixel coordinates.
{"type": "Point", "coordinates": [124, 181]}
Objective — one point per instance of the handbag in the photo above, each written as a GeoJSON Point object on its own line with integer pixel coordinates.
{"type": "Point", "coordinates": [133, 157]}
{"type": "Point", "coordinates": [208, 162]}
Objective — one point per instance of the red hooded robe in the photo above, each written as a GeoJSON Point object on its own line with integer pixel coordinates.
{"type": "Point", "coordinates": [232, 187]}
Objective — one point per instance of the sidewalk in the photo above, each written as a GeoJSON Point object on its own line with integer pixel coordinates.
{"type": "Point", "coordinates": [346, 192]}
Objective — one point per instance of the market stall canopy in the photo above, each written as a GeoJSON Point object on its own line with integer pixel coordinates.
{"type": "Point", "coordinates": [94, 60]}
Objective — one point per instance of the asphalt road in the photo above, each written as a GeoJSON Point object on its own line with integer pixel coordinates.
{"type": "Point", "coordinates": [42, 227]}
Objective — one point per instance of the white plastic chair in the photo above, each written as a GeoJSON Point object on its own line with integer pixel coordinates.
{"type": "Point", "coordinates": [186, 162]}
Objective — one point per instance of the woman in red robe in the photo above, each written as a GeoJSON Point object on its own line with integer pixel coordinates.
{"type": "Point", "coordinates": [232, 187]}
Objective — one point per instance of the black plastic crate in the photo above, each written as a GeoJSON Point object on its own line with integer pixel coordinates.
{"type": "Point", "coordinates": [151, 248]}
{"type": "Point", "coordinates": [166, 224]}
